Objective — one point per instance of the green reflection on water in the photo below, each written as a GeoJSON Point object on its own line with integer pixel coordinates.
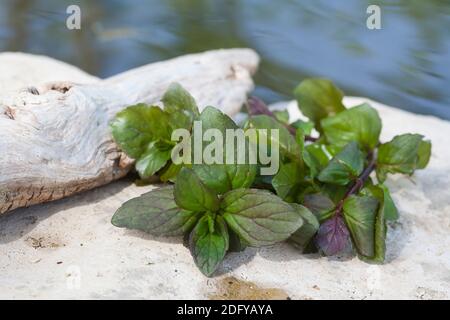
{"type": "Point", "coordinates": [406, 64]}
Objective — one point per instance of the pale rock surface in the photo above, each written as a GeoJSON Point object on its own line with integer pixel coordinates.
{"type": "Point", "coordinates": [69, 249]}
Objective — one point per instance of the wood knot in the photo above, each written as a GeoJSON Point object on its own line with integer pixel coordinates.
{"type": "Point", "coordinates": [62, 87]}
{"type": "Point", "coordinates": [4, 196]}
{"type": "Point", "coordinates": [124, 161]}
{"type": "Point", "coordinates": [9, 112]}
{"type": "Point", "coordinates": [33, 90]}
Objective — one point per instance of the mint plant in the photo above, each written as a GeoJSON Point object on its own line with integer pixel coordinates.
{"type": "Point", "coordinates": [334, 181]}
{"type": "Point", "coordinates": [327, 195]}
{"type": "Point", "coordinates": [212, 205]}
{"type": "Point", "coordinates": [144, 132]}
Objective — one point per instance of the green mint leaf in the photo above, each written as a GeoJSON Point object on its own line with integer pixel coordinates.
{"type": "Point", "coordinates": [380, 237]}
{"type": "Point", "coordinates": [179, 120]}
{"type": "Point", "coordinates": [176, 98]}
{"type": "Point", "coordinates": [360, 215]}
{"type": "Point", "coordinates": [259, 217]}
{"type": "Point", "coordinates": [209, 243]}
{"type": "Point", "coordinates": [403, 154]}
{"type": "Point", "coordinates": [222, 178]}
{"type": "Point", "coordinates": [316, 156]}
{"type": "Point", "coordinates": [213, 118]}
{"type": "Point", "coordinates": [390, 210]}
{"type": "Point", "coordinates": [318, 99]}
{"type": "Point", "coordinates": [361, 123]}
{"type": "Point", "coordinates": [302, 238]}
{"type": "Point", "coordinates": [300, 139]}
{"type": "Point", "coordinates": [320, 205]}
{"type": "Point", "coordinates": [136, 126]}
{"type": "Point", "coordinates": [287, 181]}
{"type": "Point", "coordinates": [346, 166]}
{"type": "Point", "coordinates": [286, 142]}
{"type": "Point", "coordinates": [156, 213]}
{"type": "Point", "coordinates": [423, 154]}
{"type": "Point", "coordinates": [191, 194]}
{"type": "Point", "coordinates": [180, 105]}
{"type": "Point", "coordinates": [386, 209]}
{"type": "Point", "coordinates": [153, 159]}
{"type": "Point", "coordinates": [144, 132]}
{"type": "Point", "coordinates": [169, 173]}
{"type": "Point", "coordinates": [282, 116]}
{"type": "Point", "coordinates": [381, 192]}
{"type": "Point", "coordinates": [335, 192]}
{"type": "Point", "coordinates": [306, 126]}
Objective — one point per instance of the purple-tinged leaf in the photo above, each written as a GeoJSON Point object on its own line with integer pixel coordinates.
{"type": "Point", "coordinates": [332, 236]}
{"type": "Point", "coordinates": [256, 106]}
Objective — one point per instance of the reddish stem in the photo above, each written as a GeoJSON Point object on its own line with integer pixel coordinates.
{"type": "Point", "coordinates": [256, 106]}
{"type": "Point", "coordinates": [358, 184]}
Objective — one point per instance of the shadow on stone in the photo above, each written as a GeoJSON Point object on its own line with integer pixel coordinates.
{"type": "Point", "coordinates": [398, 236]}
{"type": "Point", "coordinates": [234, 260]}
{"type": "Point", "coordinates": [146, 236]}
{"type": "Point", "coordinates": [20, 222]}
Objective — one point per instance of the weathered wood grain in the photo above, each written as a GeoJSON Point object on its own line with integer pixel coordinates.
{"type": "Point", "coordinates": [54, 137]}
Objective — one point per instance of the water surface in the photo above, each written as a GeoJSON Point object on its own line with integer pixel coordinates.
{"type": "Point", "coordinates": [406, 64]}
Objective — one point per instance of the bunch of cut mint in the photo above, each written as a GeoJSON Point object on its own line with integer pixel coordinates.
{"type": "Point", "coordinates": [323, 198]}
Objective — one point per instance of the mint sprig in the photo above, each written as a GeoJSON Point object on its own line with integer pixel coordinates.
{"type": "Point", "coordinates": [256, 217]}
{"type": "Point", "coordinates": [144, 132]}
{"type": "Point", "coordinates": [327, 195]}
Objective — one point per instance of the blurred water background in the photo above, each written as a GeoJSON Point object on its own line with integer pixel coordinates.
{"type": "Point", "coordinates": [406, 64]}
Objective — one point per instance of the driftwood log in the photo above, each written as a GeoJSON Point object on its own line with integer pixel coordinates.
{"type": "Point", "coordinates": [54, 137]}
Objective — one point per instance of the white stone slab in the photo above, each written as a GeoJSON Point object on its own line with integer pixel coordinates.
{"type": "Point", "coordinates": [47, 250]}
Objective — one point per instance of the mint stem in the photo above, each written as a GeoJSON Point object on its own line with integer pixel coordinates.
{"type": "Point", "coordinates": [358, 184]}
{"type": "Point", "coordinates": [256, 106]}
